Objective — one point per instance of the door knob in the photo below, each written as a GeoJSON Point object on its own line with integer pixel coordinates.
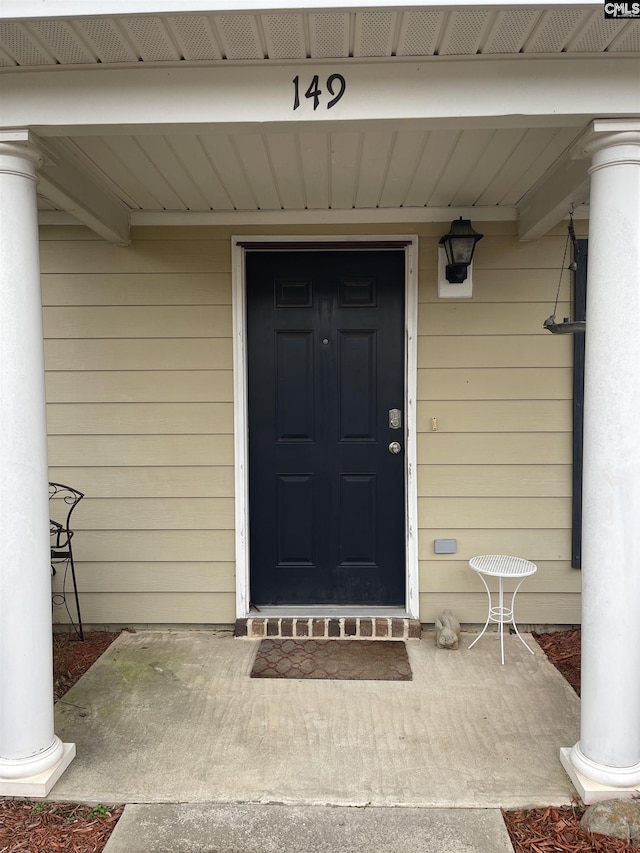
{"type": "Point", "coordinates": [395, 447]}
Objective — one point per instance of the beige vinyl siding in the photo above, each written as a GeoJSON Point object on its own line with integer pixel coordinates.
{"type": "Point", "coordinates": [140, 415]}
{"type": "Point", "coordinates": [496, 473]}
{"type": "Point", "coordinates": [138, 345]}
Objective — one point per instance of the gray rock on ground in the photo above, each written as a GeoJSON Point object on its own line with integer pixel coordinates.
{"type": "Point", "coordinates": [620, 818]}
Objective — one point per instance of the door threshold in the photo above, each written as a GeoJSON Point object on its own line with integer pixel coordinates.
{"type": "Point", "coordinates": [339, 624]}
{"type": "Point", "coordinates": [321, 611]}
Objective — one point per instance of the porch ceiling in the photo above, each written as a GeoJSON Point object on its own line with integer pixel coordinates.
{"type": "Point", "coordinates": [329, 171]}
{"type": "Point", "coordinates": [340, 170]}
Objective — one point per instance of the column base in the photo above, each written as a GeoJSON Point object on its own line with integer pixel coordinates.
{"type": "Point", "coordinates": [40, 784]}
{"type": "Point", "coordinates": [591, 791]}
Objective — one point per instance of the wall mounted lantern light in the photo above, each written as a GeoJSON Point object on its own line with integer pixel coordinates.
{"type": "Point", "coordinates": [459, 244]}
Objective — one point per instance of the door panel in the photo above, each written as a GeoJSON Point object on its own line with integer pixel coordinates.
{"type": "Point", "coordinates": [357, 519]}
{"type": "Point", "coordinates": [294, 392]}
{"type": "Point", "coordinates": [295, 520]}
{"type": "Point", "coordinates": [357, 369]}
{"type": "Point", "coordinates": [326, 364]}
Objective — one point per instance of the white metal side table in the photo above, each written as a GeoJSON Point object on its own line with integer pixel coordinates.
{"type": "Point", "coordinates": [501, 567]}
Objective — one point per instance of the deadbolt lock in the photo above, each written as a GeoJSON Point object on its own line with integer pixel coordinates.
{"type": "Point", "coordinates": [395, 419]}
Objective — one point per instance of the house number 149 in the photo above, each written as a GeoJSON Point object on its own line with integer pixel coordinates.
{"type": "Point", "coordinates": [336, 86]}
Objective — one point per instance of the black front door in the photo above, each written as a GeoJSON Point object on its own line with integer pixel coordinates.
{"type": "Point", "coordinates": [326, 369]}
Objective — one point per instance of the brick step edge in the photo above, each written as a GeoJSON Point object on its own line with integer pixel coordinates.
{"type": "Point", "coordinates": [342, 628]}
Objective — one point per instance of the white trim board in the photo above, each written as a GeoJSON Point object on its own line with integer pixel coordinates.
{"type": "Point", "coordinates": [357, 216]}
{"type": "Point", "coordinates": [241, 446]}
{"type": "Point", "coordinates": [257, 98]}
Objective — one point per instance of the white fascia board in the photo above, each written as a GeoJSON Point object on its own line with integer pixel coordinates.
{"type": "Point", "coordinates": [255, 96]}
{"type": "Point", "coordinates": [44, 9]}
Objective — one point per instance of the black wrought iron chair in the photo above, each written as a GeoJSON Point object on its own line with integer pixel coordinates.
{"type": "Point", "coordinates": [62, 502]}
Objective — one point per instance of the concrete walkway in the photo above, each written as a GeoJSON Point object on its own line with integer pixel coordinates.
{"type": "Point", "coordinates": [241, 828]}
{"type": "Point", "coordinates": [173, 717]}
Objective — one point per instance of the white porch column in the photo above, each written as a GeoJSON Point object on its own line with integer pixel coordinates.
{"type": "Point", "coordinates": [31, 756]}
{"type": "Point", "coordinates": [607, 757]}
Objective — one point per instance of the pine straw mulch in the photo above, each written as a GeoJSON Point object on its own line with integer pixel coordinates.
{"type": "Point", "coordinates": [42, 827]}
{"type": "Point", "coordinates": [72, 657]}
{"type": "Point", "coordinates": [563, 650]}
{"type": "Point", "coordinates": [49, 827]}
{"type": "Point", "coordinates": [557, 830]}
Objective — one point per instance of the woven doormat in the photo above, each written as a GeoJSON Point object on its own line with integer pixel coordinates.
{"type": "Point", "coordinates": [347, 660]}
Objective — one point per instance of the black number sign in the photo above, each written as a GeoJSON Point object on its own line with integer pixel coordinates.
{"type": "Point", "coordinates": [337, 78]}
{"type": "Point", "coordinates": [336, 86]}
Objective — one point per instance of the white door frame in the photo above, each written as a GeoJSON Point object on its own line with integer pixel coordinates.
{"type": "Point", "coordinates": [240, 405]}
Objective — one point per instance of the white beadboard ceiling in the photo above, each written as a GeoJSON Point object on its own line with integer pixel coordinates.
{"type": "Point", "coordinates": [302, 170]}
{"type": "Point", "coordinates": [319, 170]}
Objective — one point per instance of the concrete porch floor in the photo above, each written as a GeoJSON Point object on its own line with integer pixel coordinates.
{"type": "Point", "coordinates": [173, 717]}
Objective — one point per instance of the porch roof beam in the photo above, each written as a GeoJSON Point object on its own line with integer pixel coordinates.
{"type": "Point", "coordinates": [564, 187]}
{"type": "Point", "coordinates": [77, 194]}
{"type": "Point", "coordinates": [447, 92]}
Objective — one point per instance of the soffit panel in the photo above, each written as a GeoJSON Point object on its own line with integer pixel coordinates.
{"type": "Point", "coordinates": [419, 32]}
{"type": "Point", "coordinates": [239, 36]}
{"type": "Point", "coordinates": [628, 40]}
{"type": "Point", "coordinates": [374, 33]}
{"type": "Point", "coordinates": [196, 38]}
{"type": "Point", "coordinates": [464, 31]}
{"type": "Point", "coordinates": [555, 30]}
{"type": "Point", "coordinates": [284, 35]}
{"type": "Point", "coordinates": [594, 36]}
{"type": "Point", "coordinates": [108, 40]}
{"type": "Point", "coordinates": [330, 35]}
{"type": "Point", "coordinates": [510, 31]}
{"type": "Point", "coordinates": [152, 39]}
{"type": "Point", "coordinates": [323, 34]}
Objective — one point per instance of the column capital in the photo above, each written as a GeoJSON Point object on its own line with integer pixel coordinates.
{"type": "Point", "coordinates": [19, 145]}
{"type": "Point", "coordinates": [607, 142]}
